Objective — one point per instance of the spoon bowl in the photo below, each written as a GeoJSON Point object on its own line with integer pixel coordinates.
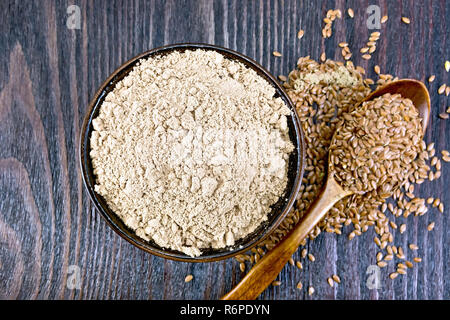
{"type": "Point", "coordinates": [411, 89]}
{"type": "Point", "coordinates": [267, 269]}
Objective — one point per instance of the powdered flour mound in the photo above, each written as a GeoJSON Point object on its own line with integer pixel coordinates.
{"type": "Point", "coordinates": [191, 149]}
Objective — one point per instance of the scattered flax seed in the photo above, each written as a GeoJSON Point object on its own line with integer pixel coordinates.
{"type": "Point", "coordinates": [431, 153]}
{"type": "Point", "coordinates": [401, 271]}
{"type": "Point", "coordinates": [409, 264]}
{"type": "Point", "coordinates": [300, 34]}
{"type": "Point", "coordinates": [323, 57]}
{"type": "Point", "coordinates": [448, 110]}
{"type": "Point", "coordinates": [417, 259]}
{"type": "Point", "coordinates": [282, 78]}
{"type": "Point", "coordinates": [441, 207]}
{"type": "Point", "coordinates": [447, 90]}
{"type": "Point", "coordinates": [364, 50]}
{"type": "Point", "coordinates": [431, 176]}
{"type": "Point", "coordinates": [276, 283]}
{"type": "Point", "coordinates": [401, 266]}
{"type": "Point", "coordinates": [382, 264]}
{"type": "Point", "coordinates": [388, 257]}
{"type": "Point", "coordinates": [431, 78]}
{"type": "Point", "coordinates": [336, 278]}
{"type": "Point", "coordinates": [430, 226]}
{"type": "Point", "coordinates": [242, 266]}
{"type": "Point", "coordinates": [406, 20]}
{"type": "Point", "coordinates": [299, 285]}
{"type": "Point", "coordinates": [291, 261]}
{"type": "Point", "coordinates": [384, 19]}
{"type": "Point", "coordinates": [436, 202]}
{"type": "Point", "coordinates": [379, 256]}
{"type": "Point", "coordinates": [402, 228]}
{"type": "Point", "coordinates": [369, 81]}
{"type": "Point", "coordinates": [393, 275]}
{"type": "Point", "coordinates": [446, 158]}
{"type": "Point", "coordinates": [311, 257]}
{"type": "Point", "coordinates": [361, 70]}
{"type": "Point", "coordinates": [330, 282]}
{"type": "Point", "coordinates": [277, 54]}
{"type": "Point", "coordinates": [377, 241]}
{"type": "Point", "coordinates": [311, 290]}
{"type": "Point", "coordinates": [377, 69]}
{"type": "Point", "coordinates": [412, 246]}
{"type": "Point", "coordinates": [330, 17]}
{"type": "Point", "coordinates": [434, 161]}
{"type": "Point", "coordinates": [188, 278]}
{"type": "Point", "coordinates": [444, 115]}
{"type": "Point", "coordinates": [430, 200]}
{"type": "Point", "coordinates": [390, 207]}
{"type": "Point", "coordinates": [351, 13]}
{"type": "Point", "coordinates": [304, 253]}
{"type": "Point", "coordinates": [447, 66]}
{"type": "Point", "coordinates": [346, 53]}
{"type": "Point", "coordinates": [366, 56]}
{"type": "Point", "coordinates": [343, 44]}
{"type": "Point", "coordinates": [299, 265]}
{"type": "Point", "coordinates": [441, 89]}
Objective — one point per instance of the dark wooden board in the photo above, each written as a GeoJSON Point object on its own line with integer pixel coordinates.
{"type": "Point", "coordinates": [48, 74]}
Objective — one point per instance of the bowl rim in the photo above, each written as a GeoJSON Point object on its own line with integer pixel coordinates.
{"type": "Point", "coordinates": [84, 157]}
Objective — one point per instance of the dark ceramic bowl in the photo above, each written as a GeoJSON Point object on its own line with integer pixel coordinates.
{"type": "Point", "coordinates": [279, 210]}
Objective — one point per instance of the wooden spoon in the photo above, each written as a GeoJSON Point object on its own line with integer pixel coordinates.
{"type": "Point", "coordinates": [267, 269]}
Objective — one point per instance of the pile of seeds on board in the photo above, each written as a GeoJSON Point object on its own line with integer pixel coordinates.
{"type": "Point", "coordinates": [323, 94]}
{"type": "Point", "coordinates": [376, 145]}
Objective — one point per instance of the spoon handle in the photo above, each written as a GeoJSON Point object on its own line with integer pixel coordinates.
{"type": "Point", "coordinates": [267, 269]}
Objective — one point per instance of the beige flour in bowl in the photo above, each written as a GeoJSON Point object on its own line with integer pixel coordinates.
{"type": "Point", "coordinates": [191, 149]}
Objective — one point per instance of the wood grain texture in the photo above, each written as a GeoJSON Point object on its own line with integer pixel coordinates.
{"type": "Point", "coordinates": [48, 74]}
